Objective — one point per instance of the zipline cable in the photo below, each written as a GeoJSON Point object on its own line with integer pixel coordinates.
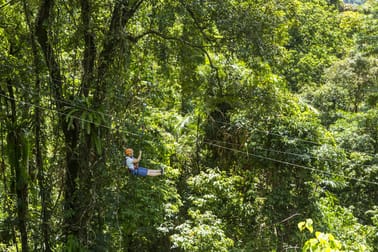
{"type": "Point", "coordinates": [72, 116]}
{"type": "Point", "coordinates": [290, 164]}
{"type": "Point", "coordinates": [220, 122]}
{"type": "Point", "coordinates": [271, 133]}
{"type": "Point", "coordinates": [72, 105]}
{"type": "Point", "coordinates": [141, 135]}
{"type": "Point", "coordinates": [292, 138]}
{"type": "Point", "coordinates": [205, 142]}
{"type": "Point", "coordinates": [304, 156]}
{"type": "Point", "coordinates": [224, 123]}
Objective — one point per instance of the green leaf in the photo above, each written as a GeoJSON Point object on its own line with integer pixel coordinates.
{"type": "Point", "coordinates": [301, 225]}
{"type": "Point", "coordinates": [309, 223]}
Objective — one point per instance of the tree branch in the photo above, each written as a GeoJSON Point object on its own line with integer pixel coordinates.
{"type": "Point", "coordinates": [123, 11]}
{"type": "Point", "coordinates": [8, 3]}
{"type": "Point", "coordinates": [50, 58]}
{"type": "Point", "coordinates": [89, 47]}
{"type": "Point", "coordinates": [182, 41]}
{"type": "Point", "coordinates": [196, 23]}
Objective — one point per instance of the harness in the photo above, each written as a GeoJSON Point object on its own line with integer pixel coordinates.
{"type": "Point", "coordinates": [136, 165]}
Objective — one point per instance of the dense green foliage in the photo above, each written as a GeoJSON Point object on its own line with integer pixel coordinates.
{"type": "Point", "coordinates": [264, 115]}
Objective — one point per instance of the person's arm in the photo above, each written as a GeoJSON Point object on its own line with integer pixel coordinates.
{"type": "Point", "coordinates": [136, 160]}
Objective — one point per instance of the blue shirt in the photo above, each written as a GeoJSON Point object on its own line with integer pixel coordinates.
{"type": "Point", "coordinates": [129, 163]}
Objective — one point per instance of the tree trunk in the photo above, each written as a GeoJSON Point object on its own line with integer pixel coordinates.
{"type": "Point", "coordinates": [44, 192]}
{"type": "Point", "coordinates": [78, 142]}
{"type": "Point", "coordinates": [18, 159]}
{"type": "Point", "coordinates": [72, 215]}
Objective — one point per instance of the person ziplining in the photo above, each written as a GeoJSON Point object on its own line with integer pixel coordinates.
{"type": "Point", "coordinates": [132, 164]}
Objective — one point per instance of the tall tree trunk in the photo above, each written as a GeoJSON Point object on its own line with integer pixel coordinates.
{"type": "Point", "coordinates": [78, 142]}
{"type": "Point", "coordinates": [18, 159]}
{"type": "Point", "coordinates": [44, 192]}
{"type": "Point", "coordinates": [71, 204]}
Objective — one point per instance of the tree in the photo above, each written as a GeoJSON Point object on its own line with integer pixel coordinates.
{"type": "Point", "coordinates": [207, 89]}
{"type": "Point", "coordinates": [357, 134]}
{"type": "Point", "coordinates": [16, 138]}
{"type": "Point", "coordinates": [313, 44]}
{"type": "Point", "coordinates": [82, 140]}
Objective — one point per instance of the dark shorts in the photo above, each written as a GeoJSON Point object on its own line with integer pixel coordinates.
{"type": "Point", "coordinates": [141, 171]}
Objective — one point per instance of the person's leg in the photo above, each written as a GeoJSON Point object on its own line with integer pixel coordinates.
{"type": "Point", "coordinates": [153, 172]}
{"type": "Point", "coordinates": [142, 171]}
{"type": "Point", "coordinates": [148, 172]}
